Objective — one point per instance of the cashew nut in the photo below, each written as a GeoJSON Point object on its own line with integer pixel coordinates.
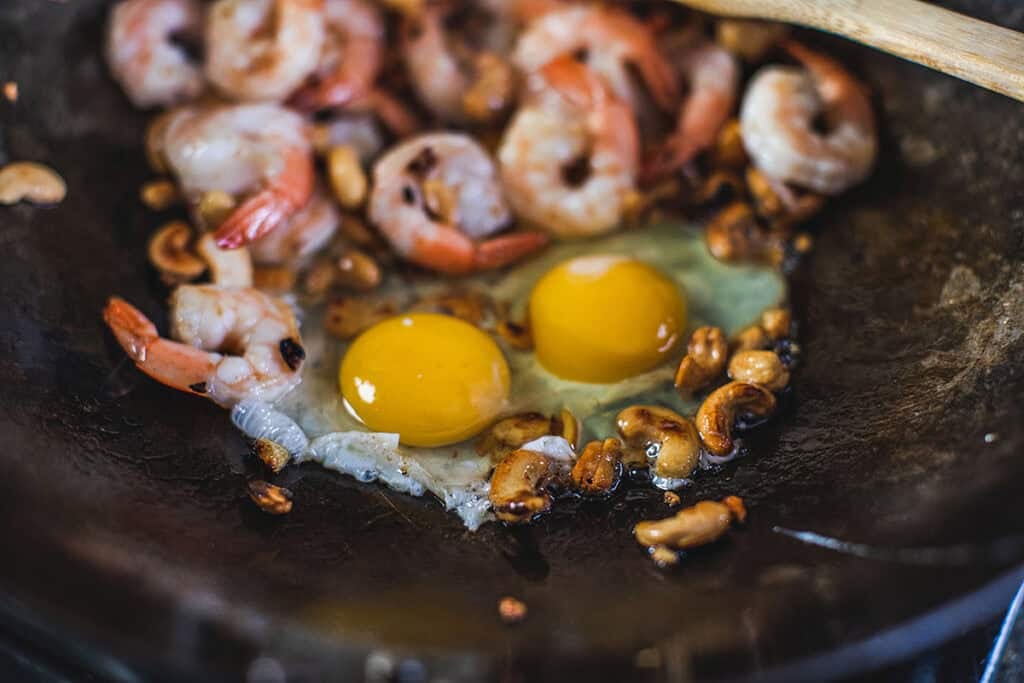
{"type": "Point", "coordinates": [598, 467]}
{"type": "Point", "coordinates": [704, 360]}
{"type": "Point", "coordinates": [750, 40]}
{"type": "Point", "coordinates": [348, 180]}
{"type": "Point", "coordinates": [760, 367]}
{"type": "Point", "coordinates": [358, 271]}
{"type": "Point", "coordinates": [691, 527]}
{"type": "Point", "coordinates": [776, 322]}
{"type": "Point", "coordinates": [735, 235]}
{"type": "Point", "coordinates": [347, 316]}
{"type": "Point", "coordinates": [519, 485]}
{"type": "Point", "coordinates": [718, 413]}
{"type": "Point", "coordinates": [158, 195]}
{"type": "Point", "coordinates": [654, 432]}
{"type": "Point", "coordinates": [32, 182]}
{"type": "Point", "coordinates": [750, 338]}
{"type": "Point", "coordinates": [170, 252]}
{"type": "Point", "coordinates": [511, 433]}
{"type": "Point", "coordinates": [228, 267]}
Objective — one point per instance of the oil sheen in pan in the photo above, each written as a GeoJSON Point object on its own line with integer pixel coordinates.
{"type": "Point", "coordinates": [313, 423]}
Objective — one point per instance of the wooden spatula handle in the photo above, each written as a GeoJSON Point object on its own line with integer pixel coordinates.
{"type": "Point", "coordinates": [982, 53]}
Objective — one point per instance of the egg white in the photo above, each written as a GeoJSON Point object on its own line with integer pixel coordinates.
{"type": "Point", "coordinates": [729, 296]}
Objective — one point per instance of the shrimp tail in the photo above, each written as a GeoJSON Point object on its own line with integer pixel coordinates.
{"type": "Point", "coordinates": [270, 207]}
{"type": "Point", "coordinates": [507, 249]}
{"type": "Point", "coordinates": [256, 217]}
{"type": "Point", "coordinates": [176, 365]}
{"type": "Point", "coordinates": [132, 329]}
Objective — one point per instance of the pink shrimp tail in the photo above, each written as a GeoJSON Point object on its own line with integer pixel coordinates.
{"type": "Point", "coordinates": [176, 365]}
{"type": "Point", "coordinates": [132, 329]}
{"type": "Point", "coordinates": [256, 217]}
{"type": "Point", "coordinates": [270, 207]}
{"type": "Point", "coordinates": [507, 249]}
{"type": "Point", "coordinates": [580, 86]}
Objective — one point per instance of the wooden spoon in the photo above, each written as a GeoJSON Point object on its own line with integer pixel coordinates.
{"type": "Point", "coordinates": [982, 53]}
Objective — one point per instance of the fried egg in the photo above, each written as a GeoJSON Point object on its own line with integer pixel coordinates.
{"type": "Point", "coordinates": [404, 402]}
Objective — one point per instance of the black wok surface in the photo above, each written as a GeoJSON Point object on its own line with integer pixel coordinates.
{"type": "Point", "coordinates": [128, 546]}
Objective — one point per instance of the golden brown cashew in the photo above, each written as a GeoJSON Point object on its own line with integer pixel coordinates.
{"type": "Point", "coordinates": [511, 433]}
{"type": "Point", "coordinates": [31, 182]}
{"type": "Point", "coordinates": [660, 431]}
{"type": "Point", "coordinates": [760, 367]}
{"type": "Point", "coordinates": [171, 253]}
{"type": "Point", "coordinates": [598, 467]}
{"type": "Point", "coordinates": [519, 483]}
{"type": "Point", "coordinates": [704, 361]}
{"type": "Point", "coordinates": [719, 411]}
{"type": "Point", "coordinates": [694, 526]}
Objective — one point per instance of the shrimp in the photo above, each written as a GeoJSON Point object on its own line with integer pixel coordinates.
{"type": "Point", "coordinates": [232, 344]}
{"type": "Point", "coordinates": [713, 76]}
{"type": "Point", "coordinates": [436, 198]}
{"type": "Point", "coordinates": [777, 122]}
{"type": "Point", "coordinates": [569, 158]}
{"type": "Point", "coordinates": [351, 56]}
{"type": "Point", "coordinates": [609, 41]}
{"type": "Point", "coordinates": [305, 233]}
{"type": "Point", "coordinates": [255, 149]}
{"type": "Point", "coordinates": [263, 49]}
{"type": "Point", "coordinates": [455, 81]}
{"type": "Point", "coordinates": [153, 70]}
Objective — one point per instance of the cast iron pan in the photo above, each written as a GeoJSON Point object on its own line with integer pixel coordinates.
{"type": "Point", "coordinates": [129, 548]}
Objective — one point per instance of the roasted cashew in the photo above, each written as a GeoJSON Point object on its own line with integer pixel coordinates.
{"type": "Point", "coordinates": [704, 361]}
{"type": "Point", "coordinates": [719, 411]}
{"type": "Point", "coordinates": [661, 434]}
{"type": "Point", "coordinates": [32, 182]}
{"type": "Point", "coordinates": [171, 252]}
{"type": "Point", "coordinates": [511, 433]}
{"type": "Point", "coordinates": [776, 322]}
{"type": "Point", "coordinates": [751, 338]}
{"type": "Point", "coordinates": [598, 468]}
{"type": "Point", "coordinates": [760, 367]}
{"type": "Point", "coordinates": [694, 526]}
{"type": "Point", "coordinates": [519, 485]}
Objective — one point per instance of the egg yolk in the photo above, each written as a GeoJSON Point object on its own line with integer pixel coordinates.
{"type": "Point", "coordinates": [433, 379]}
{"type": "Point", "coordinates": [604, 318]}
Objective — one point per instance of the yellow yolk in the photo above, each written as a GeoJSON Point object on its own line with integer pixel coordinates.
{"type": "Point", "coordinates": [605, 318]}
{"type": "Point", "coordinates": [433, 379]}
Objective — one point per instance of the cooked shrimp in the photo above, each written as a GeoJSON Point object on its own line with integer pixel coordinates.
{"type": "Point", "coordinates": [569, 158]}
{"type": "Point", "coordinates": [232, 344]}
{"type": "Point", "coordinates": [777, 122]}
{"type": "Point", "coordinates": [263, 49]}
{"type": "Point", "coordinates": [444, 78]}
{"type": "Point", "coordinates": [437, 199]}
{"type": "Point", "coordinates": [153, 70]}
{"type": "Point", "coordinates": [713, 77]}
{"type": "Point", "coordinates": [256, 149]}
{"type": "Point", "coordinates": [305, 233]}
{"type": "Point", "coordinates": [351, 56]}
{"type": "Point", "coordinates": [609, 41]}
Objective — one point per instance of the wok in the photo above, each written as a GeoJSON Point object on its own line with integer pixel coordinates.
{"type": "Point", "coordinates": [129, 547]}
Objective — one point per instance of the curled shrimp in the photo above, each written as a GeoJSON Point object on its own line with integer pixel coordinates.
{"type": "Point", "coordinates": [437, 200]}
{"type": "Point", "coordinates": [263, 49]}
{"type": "Point", "coordinates": [257, 150]}
{"type": "Point", "coordinates": [305, 233]}
{"type": "Point", "coordinates": [153, 70]}
{"type": "Point", "coordinates": [232, 344]}
{"type": "Point", "coordinates": [713, 77]}
{"type": "Point", "coordinates": [607, 40]}
{"type": "Point", "coordinates": [569, 158]}
{"type": "Point", "coordinates": [455, 82]}
{"type": "Point", "coordinates": [777, 122]}
{"type": "Point", "coordinates": [351, 56]}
